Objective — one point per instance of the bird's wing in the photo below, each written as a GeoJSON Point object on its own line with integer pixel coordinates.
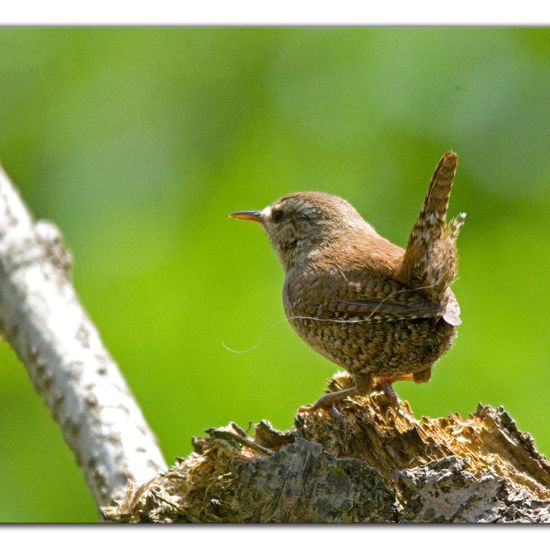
{"type": "Point", "coordinates": [366, 299]}
{"type": "Point", "coordinates": [393, 301]}
{"type": "Point", "coordinates": [378, 310]}
{"type": "Point", "coordinates": [390, 310]}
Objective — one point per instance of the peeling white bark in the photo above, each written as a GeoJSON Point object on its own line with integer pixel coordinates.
{"type": "Point", "coordinates": [44, 322]}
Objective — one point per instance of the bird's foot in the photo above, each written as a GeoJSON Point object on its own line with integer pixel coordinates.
{"type": "Point", "coordinates": [385, 385]}
{"type": "Point", "coordinates": [326, 404]}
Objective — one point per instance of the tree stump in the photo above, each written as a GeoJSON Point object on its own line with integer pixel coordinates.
{"type": "Point", "coordinates": [375, 464]}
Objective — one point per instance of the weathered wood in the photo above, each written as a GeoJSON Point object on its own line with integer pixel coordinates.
{"type": "Point", "coordinates": [375, 464]}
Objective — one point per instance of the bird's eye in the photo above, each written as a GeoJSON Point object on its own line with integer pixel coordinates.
{"type": "Point", "coordinates": [277, 216]}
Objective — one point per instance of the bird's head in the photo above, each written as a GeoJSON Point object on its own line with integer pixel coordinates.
{"type": "Point", "coordinates": [300, 223]}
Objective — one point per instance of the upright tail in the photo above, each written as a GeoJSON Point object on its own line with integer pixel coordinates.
{"type": "Point", "coordinates": [430, 260]}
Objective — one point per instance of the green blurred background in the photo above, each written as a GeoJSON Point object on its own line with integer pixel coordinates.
{"type": "Point", "coordinates": [139, 142]}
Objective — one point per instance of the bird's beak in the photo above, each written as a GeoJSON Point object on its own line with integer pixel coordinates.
{"type": "Point", "coordinates": [251, 215]}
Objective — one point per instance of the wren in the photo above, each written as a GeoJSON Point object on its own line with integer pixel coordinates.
{"type": "Point", "coordinates": [381, 312]}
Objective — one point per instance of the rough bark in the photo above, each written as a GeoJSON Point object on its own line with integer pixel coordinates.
{"type": "Point", "coordinates": [375, 464]}
{"type": "Point", "coordinates": [42, 319]}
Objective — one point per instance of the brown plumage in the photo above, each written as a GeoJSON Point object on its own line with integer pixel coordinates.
{"type": "Point", "coordinates": [381, 312]}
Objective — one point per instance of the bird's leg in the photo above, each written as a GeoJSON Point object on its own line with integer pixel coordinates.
{"type": "Point", "coordinates": [385, 384]}
{"type": "Point", "coordinates": [327, 401]}
{"type": "Point", "coordinates": [364, 384]}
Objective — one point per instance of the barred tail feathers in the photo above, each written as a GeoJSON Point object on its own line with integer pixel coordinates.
{"type": "Point", "coordinates": [430, 257]}
{"type": "Point", "coordinates": [431, 220]}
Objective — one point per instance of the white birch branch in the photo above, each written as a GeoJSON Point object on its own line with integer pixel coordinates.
{"type": "Point", "coordinates": [42, 319]}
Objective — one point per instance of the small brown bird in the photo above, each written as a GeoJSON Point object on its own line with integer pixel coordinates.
{"type": "Point", "coordinates": [381, 312]}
